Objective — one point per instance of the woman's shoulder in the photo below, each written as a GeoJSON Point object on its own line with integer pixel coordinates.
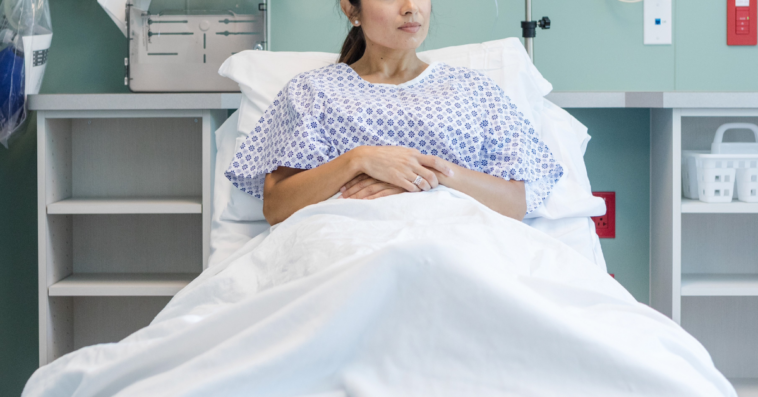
{"type": "Point", "coordinates": [302, 87]}
{"type": "Point", "coordinates": [467, 77]}
{"type": "Point", "coordinates": [322, 74]}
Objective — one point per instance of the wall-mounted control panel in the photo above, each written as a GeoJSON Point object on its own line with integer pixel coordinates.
{"type": "Point", "coordinates": [658, 21]}
{"type": "Point", "coordinates": [741, 18]}
{"type": "Point", "coordinates": [605, 225]}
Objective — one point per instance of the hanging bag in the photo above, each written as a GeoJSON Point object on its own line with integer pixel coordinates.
{"type": "Point", "coordinates": [25, 36]}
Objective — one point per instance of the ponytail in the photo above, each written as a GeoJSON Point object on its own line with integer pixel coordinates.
{"type": "Point", "coordinates": [355, 43]}
{"type": "Point", "coordinates": [354, 46]}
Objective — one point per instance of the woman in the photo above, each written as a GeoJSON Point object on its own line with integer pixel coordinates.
{"type": "Point", "coordinates": [383, 122]}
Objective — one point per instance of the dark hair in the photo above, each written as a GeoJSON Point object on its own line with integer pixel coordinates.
{"type": "Point", "coordinates": [355, 43]}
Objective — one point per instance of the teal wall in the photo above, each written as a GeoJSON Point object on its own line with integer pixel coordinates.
{"type": "Point", "coordinates": [618, 160]}
{"type": "Point", "coordinates": [18, 262]}
{"type": "Point", "coordinates": [594, 45]}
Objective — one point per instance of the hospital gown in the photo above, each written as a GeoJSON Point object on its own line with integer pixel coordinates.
{"type": "Point", "coordinates": [455, 113]}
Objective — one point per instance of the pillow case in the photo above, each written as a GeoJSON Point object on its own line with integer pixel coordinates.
{"type": "Point", "coordinates": [227, 237]}
{"type": "Point", "coordinates": [239, 206]}
{"type": "Point", "coordinates": [261, 75]}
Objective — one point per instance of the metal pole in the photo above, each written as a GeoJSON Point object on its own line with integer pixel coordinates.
{"type": "Point", "coordinates": [528, 41]}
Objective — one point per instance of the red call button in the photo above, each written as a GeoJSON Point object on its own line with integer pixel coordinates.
{"type": "Point", "coordinates": [741, 19]}
{"type": "Point", "coordinates": [743, 22]}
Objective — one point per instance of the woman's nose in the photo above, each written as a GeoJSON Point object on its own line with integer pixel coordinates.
{"type": "Point", "coordinates": [409, 7]}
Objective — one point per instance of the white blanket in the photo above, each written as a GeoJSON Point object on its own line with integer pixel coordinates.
{"type": "Point", "coordinates": [411, 295]}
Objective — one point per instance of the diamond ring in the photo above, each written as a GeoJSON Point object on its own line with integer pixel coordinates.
{"type": "Point", "coordinates": [418, 180]}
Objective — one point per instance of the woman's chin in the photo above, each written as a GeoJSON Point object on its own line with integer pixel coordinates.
{"type": "Point", "coordinates": [406, 44]}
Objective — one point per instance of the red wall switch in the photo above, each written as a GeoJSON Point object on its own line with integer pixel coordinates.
{"type": "Point", "coordinates": [741, 22]}
{"type": "Point", "coordinates": [605, 225]}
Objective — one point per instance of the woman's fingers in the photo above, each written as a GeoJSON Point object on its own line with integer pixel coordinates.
{"type": "Point", "coordinates": [372, 190]}
{"type": "Point", "coordinates": [386, 192]}
{"type": "Point", "coordinates": [406, 182]}
{"type": "Point", "coordinates": [400, 167]}
{"type": "Point", "coordinates": [436, 163]}
{"type": "Point", "coordinates": [358, 186]}
{"type": "Point", "coordinates": [353, 181]}
{"type": "Point", "coordinates": [430, 179]}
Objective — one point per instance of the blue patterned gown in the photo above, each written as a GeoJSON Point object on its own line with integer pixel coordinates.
{"type": "Point", "coordinates": [455, 113]}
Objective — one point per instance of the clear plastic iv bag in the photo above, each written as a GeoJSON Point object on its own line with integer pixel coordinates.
{"type": "Point", "coordinates": [25, 36]}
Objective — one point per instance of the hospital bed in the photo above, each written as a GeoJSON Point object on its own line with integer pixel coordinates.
{"type": "Point", "coordinates": [356, 319]}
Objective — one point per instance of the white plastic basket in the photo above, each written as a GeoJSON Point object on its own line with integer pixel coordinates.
{"type": "Point", "coordinates": [747, 184]}
{"type": "Point", "coordinates": [711, 177]}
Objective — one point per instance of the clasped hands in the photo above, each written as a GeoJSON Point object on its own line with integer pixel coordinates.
{"type": "Point", "coordinates": [390, 170]}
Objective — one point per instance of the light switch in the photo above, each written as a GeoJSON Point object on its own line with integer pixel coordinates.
{"type": "Point", "coordinates": [658, 22]}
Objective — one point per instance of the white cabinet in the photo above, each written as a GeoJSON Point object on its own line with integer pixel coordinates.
{"type": "Point", "coordinates": [704, 257]}
{"type": "Point", "coordinates": [124, 201]}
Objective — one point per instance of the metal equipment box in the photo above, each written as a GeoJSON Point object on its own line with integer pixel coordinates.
{"type": "Point", "coordinates": [180, 48]}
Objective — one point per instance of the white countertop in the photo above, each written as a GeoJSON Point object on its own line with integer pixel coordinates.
{"type": "Point", "coordinates": [231, 100]}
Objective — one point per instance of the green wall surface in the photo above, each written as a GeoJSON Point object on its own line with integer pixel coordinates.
{"type": "Point", "coordinates": [594, 45]}
{"type": "Point", "coordinates": [18, 262]}
{"type": "Point", "coordinates": [618, 160]}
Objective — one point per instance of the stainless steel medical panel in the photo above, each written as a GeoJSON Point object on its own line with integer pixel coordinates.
{"type": "Point", "coordinates": [178, 46]}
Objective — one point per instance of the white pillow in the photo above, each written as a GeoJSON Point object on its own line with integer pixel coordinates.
{"type": "Point", "coordinates": [567, 138]}
{"type": "Point", "coordinates": [261, 75]}
{"type": "Point", "coordinates": [242, 206]}
{"type": "Point", "coordinates": [225, 149]}
{"type": "Point", "coordinates": [239, 206]}
{"type": "Point", "coordinates": [227, 237]}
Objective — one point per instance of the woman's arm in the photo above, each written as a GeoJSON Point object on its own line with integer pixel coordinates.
{"type": "Point", "coordinates": [287, 190]}
{"type": "Point", "coordinates": [505, 197]}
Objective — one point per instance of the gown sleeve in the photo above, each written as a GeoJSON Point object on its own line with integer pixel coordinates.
{"type": "Point", "coordinates": [513, 150]}
{"type": "Point", "coordinates": [287, 135]}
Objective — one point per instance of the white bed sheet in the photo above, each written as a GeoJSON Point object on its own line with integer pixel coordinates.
{"type": "Point", "coordinates": [413, 295]}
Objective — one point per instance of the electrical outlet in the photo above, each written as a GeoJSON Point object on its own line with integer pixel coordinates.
{"type": "Point", "coordinates": [657, 22]}
{"type": "Point", "coordinates": [605, 225]}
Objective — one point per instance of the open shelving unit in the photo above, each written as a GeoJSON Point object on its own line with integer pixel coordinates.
{"type": "Point", "coordinates": [136, 205]}
{"type": "Point", "coordinates": [121, 284]}
{"type": "Point", "coordinates": [704, 256]}
{"type": "Point", "coordinates": [124, 218]}
{"type": "Point", "coordinates": [720, 285]}
{"type": "Point", "coordinates": [690, 206]}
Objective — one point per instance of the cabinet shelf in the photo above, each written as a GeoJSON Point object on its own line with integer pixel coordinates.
{"type": "Point", "coordinates": [136, 205]}
{"type": "Point", "coordinates": [690, 206]}
{"type": "Point", "coordinates": [719, 284]}
{"type": "Point", "coordinates": [121, 284]}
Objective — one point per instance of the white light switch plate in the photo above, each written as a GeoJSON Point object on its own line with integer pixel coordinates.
{"type": "Point", "coordinates": [657, 21]}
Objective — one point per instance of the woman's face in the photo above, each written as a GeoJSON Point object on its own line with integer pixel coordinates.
{"type": "Point", "coordinates": [396, 24]}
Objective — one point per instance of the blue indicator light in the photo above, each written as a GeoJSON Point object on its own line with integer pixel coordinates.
{"type": "Point", "coordinates": [657, 21]}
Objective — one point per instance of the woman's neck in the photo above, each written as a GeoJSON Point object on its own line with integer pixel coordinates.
{"type": "Point", "coordinates": [382, 65]}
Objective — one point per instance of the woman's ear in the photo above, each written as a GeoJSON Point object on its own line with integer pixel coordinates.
{"type": "Point", "coordinates": [348, 10]}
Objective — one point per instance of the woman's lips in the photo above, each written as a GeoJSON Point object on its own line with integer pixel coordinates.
{"type": "Point", "coordinates": [410, 27]}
